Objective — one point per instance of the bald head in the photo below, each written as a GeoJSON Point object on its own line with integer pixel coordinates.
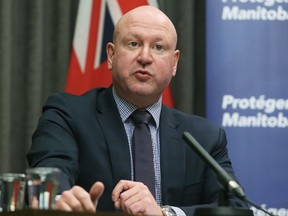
{"type": "Point", "coordinates": [148, 17]}
{"type": "Point", "coordinates": [143, 56]}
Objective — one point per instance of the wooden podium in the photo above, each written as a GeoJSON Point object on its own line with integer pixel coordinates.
{"type": "Point", "coordinates": [30, 212]}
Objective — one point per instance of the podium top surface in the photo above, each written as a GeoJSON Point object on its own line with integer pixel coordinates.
{"type": "Point", "coordinates": [30, 212]}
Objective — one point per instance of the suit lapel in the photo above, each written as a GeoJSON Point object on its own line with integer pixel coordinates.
{"type": "Point", "coordinates": [172, 152]}
{"type": "Point", "coordinates": [172, 158]}
{"type": "Point", "coordinates": [115, 135]}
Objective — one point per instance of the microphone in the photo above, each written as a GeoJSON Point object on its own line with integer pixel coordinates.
{"type": "Point", "coordinates": [225, 179]}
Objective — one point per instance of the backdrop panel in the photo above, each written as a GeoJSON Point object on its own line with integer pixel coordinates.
{"type": "Point", "coordinates": [247, 92]}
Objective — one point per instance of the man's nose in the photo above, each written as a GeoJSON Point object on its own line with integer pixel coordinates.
{"type": "Point", "coordinates": [145, 55]}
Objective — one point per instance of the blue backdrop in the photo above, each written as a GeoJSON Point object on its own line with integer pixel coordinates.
{"type": "Point", "coordinates": [247, 92]}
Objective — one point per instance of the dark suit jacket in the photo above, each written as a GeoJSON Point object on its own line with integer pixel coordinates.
{"type": "Point", "coordinates": [85, 138]}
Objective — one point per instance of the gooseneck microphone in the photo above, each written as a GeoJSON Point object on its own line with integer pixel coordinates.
{"type": "Point", "coordinates": [225, 179]}
{"type": "Point", "coordinates": [227, 182]}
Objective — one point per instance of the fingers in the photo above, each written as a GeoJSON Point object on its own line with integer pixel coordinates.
{"type": "Point", "coordinates": [75, 199]}
{"type": "Point", "coordinates": [122, 186]}
{"type": "Point", "coordinates": [134, 198]}
{"type": "Point", "coordinates": [96, 192]}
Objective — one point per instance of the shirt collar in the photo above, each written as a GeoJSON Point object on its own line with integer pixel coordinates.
{"type": "Point", "coordinates": [126, 109]}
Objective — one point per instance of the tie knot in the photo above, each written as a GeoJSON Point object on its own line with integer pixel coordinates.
{"type": "Point", "coordinates": [141, 117]}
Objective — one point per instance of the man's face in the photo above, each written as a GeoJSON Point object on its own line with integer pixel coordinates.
{"type": "Point", "coordinates": [143, 59]}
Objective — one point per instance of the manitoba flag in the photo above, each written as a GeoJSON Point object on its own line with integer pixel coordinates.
{"type": "Point", "coordinates": [94, 28]}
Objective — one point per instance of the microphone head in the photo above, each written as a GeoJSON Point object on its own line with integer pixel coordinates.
{"type": "Point", "coordinates": [236, 189]}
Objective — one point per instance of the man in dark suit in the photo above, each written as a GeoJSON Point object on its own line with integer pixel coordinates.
{"type": "Point", "coordinates": [89, 136]}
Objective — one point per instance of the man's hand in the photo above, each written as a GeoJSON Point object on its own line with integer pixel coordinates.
{"type": "Point", "coordinates": [77, 199]}
{"type": "Point", "coordinates": [135, 198]}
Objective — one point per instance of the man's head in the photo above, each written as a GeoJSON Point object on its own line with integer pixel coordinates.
{"type": "Point", "coordinates": [142, 56]}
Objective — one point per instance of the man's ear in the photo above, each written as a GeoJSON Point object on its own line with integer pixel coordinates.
{"type": "Point", "coordinates": [110, 54]}
{"type": "Point", "coordinates": [176, 59]}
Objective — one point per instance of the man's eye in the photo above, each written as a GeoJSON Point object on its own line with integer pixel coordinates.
{"type": "Point", "coordinates": [133, 44]}
{"type": "Point", "coordinates": [158, 47]}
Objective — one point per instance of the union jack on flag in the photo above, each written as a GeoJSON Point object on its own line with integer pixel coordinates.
{"type": "Point", "coordinates": [94, 28]}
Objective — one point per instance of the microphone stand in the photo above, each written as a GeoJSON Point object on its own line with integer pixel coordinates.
{"type": "Point", "coordinates": [223, 198]}
{"type": "Point", "coordinates": [227, 183]}
{"type": "Point", "coordinates": [224, 180]}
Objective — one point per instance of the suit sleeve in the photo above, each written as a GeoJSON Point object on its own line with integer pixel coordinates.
{"type": "Point", "coordinates": [54, 143]}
